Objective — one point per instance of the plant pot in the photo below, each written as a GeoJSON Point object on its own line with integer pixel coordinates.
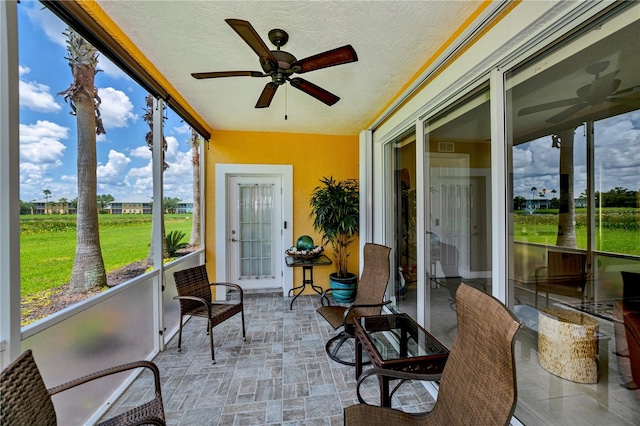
{"type": "Point", "coordinates": [343, 289]}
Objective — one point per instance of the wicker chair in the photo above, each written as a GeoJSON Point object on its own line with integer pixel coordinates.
{"type": "Point", "coordinates": [478, 384]}
{"type": "Point", "coordinates": [194, 294]}
{"type": "Point", "coordinates": [369, 299]}
{"type": "Point", "coordinates": [24, 399]}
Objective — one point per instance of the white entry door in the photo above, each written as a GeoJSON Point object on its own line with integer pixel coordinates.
{"type": "Point", "coordinates": [450, 206]}
{"type": "Point", "coordinates": [254, 231]}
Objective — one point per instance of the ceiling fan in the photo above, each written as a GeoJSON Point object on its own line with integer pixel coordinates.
{"type": "Point", "coordinates": [601, 89]}
{"type": "Point", "coordinates": [280, 65]}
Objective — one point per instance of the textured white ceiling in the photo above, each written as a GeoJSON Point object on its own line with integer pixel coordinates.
{"type": "Point", "coordinates": [393, 40]}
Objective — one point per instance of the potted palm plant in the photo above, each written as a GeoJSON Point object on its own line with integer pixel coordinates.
{"type": "Point", "coordinates": [335, 209]}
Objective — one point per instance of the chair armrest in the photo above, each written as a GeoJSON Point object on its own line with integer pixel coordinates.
{"type": "Point", "coordinates": [236, 286]}
{"type": "Point", "coordinates": [109, 371]}
{"type": "Point", "coordinates": [392, 374]}
{"type": "Point", "coordinates": [205, 302]}
{"type": "Point", "coordinates": [354, 306]}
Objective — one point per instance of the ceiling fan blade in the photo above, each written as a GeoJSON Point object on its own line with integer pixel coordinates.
{"type": "Point", "coordinates": [217, 74]}
{"type": "Point", "coordinates": [246, 31]}
{"type": "Point", "coordinates": [339, 56]}
{"type": "Point", "coordinates": [267, 95]}
{"type": "Point", "coordinates": [548, 105]}
{"type": "Point", "coordinates": [627, 90]}
{"type": "Point", "coordinates": [558, 118]}
{"type": "Point", "coordinates": [316, 91]}
{"type": "Point", "coordinates": [632, 102]}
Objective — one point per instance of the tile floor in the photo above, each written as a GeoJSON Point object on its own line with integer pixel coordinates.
{"type": "Point", "coordinates": [280, 375]}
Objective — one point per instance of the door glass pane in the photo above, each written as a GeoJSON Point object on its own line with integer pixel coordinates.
{"type": "Point", "coordinates": [458, 223]}
{"type": "Point", "coordinates": [574, 118]}
{"type": "Point", "coordinates": [256, 219]}
{"type": "Point", "coordinates": [402, 155]}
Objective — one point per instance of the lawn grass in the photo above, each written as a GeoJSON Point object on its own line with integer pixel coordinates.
{"type": "Point", "coordinates": [48, 243]}
{"type": "Point", "coordinates": [619, 233]}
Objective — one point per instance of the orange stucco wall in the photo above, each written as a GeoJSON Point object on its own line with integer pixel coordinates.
{"type": "Point", "coordinates": [312, 157]}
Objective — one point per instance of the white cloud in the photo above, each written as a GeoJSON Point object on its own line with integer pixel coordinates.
{"type": "Point", "coordinates": [40, 143]}
{"type": "Point", "coordinates": [110, 69]}
{"type": "Point", "coordinates": [178, 178]}
{"type": "Point", "coordinates": [141, 152]}
{"type": "Point", "coordinates": [112, 173]}
{"type": "Point", "coordinates": [116, 108]}
{"type": "Point", "coordinates": [36, 97]}
{"type": "Point", "coordinates": [41, 151]}
{"type": "Point", "coordinates": [184, 129]}
{"type": "Point", "coordinates": [521, 158]}
{"type": "Point", "coordinates": [141, 180]}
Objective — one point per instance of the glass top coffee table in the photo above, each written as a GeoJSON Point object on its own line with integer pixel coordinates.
{"type": "Point", "coordinates": [397, 342]}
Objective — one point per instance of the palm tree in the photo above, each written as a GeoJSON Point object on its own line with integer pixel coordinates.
{"type": "Point", "coordinates": [566, 216]}
{"type": "Point", "coordinates": [88, 266]}
{"type": "Point", "coordinates": [195, 160]}
{"type": "Point", "coordinates": [47, 195]}
{"type": "Point", "coordinates": [64, 203]}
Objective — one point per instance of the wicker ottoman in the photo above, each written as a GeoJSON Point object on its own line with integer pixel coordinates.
{"type": "Point", "coordinates": [568, 345]}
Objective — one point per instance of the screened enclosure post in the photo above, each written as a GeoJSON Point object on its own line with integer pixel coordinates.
{"type": "Point", "coordinates": [500, 203]}
{"type": "Point", "coordinates": [10, 345]}
{"type": "Point", "coordinates": [158, 219]}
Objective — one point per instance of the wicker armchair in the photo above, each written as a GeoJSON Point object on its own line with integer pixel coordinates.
{"type": "Point", "coordinates": [478, 384]}
{"type": "Point", "coordinates": [369, 299]}
{"type": "Point", "coordinates": [24, 399]}
{"type": "Point", "coordinates": [194, 294]}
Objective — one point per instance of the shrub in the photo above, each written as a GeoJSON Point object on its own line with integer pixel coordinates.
{"type": "Point", "coordinates": [174, 242]}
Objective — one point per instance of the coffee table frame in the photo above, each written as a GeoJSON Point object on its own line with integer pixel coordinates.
{"type": "Point", "coordinates": [431, 361]}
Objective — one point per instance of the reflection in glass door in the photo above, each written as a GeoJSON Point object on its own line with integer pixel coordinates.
{"type": "Point", "coordinates": [575, 144]}
{"type": "Point", "coordinates": [402, 155]}
{"type": "Point", "coordinates": [458, 222]}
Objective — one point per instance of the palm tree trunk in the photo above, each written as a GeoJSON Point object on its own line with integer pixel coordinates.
{"type": "Point", "coordinates": [195, 219]}
{"type": "Point", "coordinates": [566, 217]}
{"type": "Point", "coordinates": [88, 267]}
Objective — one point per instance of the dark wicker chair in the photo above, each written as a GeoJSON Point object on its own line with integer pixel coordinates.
{"type": "Point", "coordinates": [24, 399]}
{"type": "Point", "coordinates": [369, 299]}
{"type": "Point", "coordinates": [478, 384]}
{"type": "Point", "coordinates": [194, 294]}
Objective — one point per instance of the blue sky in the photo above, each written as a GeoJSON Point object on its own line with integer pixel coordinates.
{"type": "Point", "coordinates": [48, 141]}
{"type": "Point", "coordinates": [617, 159]}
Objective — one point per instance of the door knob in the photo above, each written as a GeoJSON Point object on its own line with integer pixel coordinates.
{"type": "Point", "coordinates": [233, 240]}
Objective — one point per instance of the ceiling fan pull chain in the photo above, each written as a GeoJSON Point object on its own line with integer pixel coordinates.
{"type": "Point", "coordinates": [286, 93]}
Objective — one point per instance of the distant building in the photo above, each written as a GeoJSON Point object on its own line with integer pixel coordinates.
{"type": "Point", "coordinates": [543, 204]}
{"type": "Point", "coordinates": [185, 207]}
{"type": "Point", "coordinates": [62, 205]}
{"type": "Point", "coordinates": [130, 205]}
